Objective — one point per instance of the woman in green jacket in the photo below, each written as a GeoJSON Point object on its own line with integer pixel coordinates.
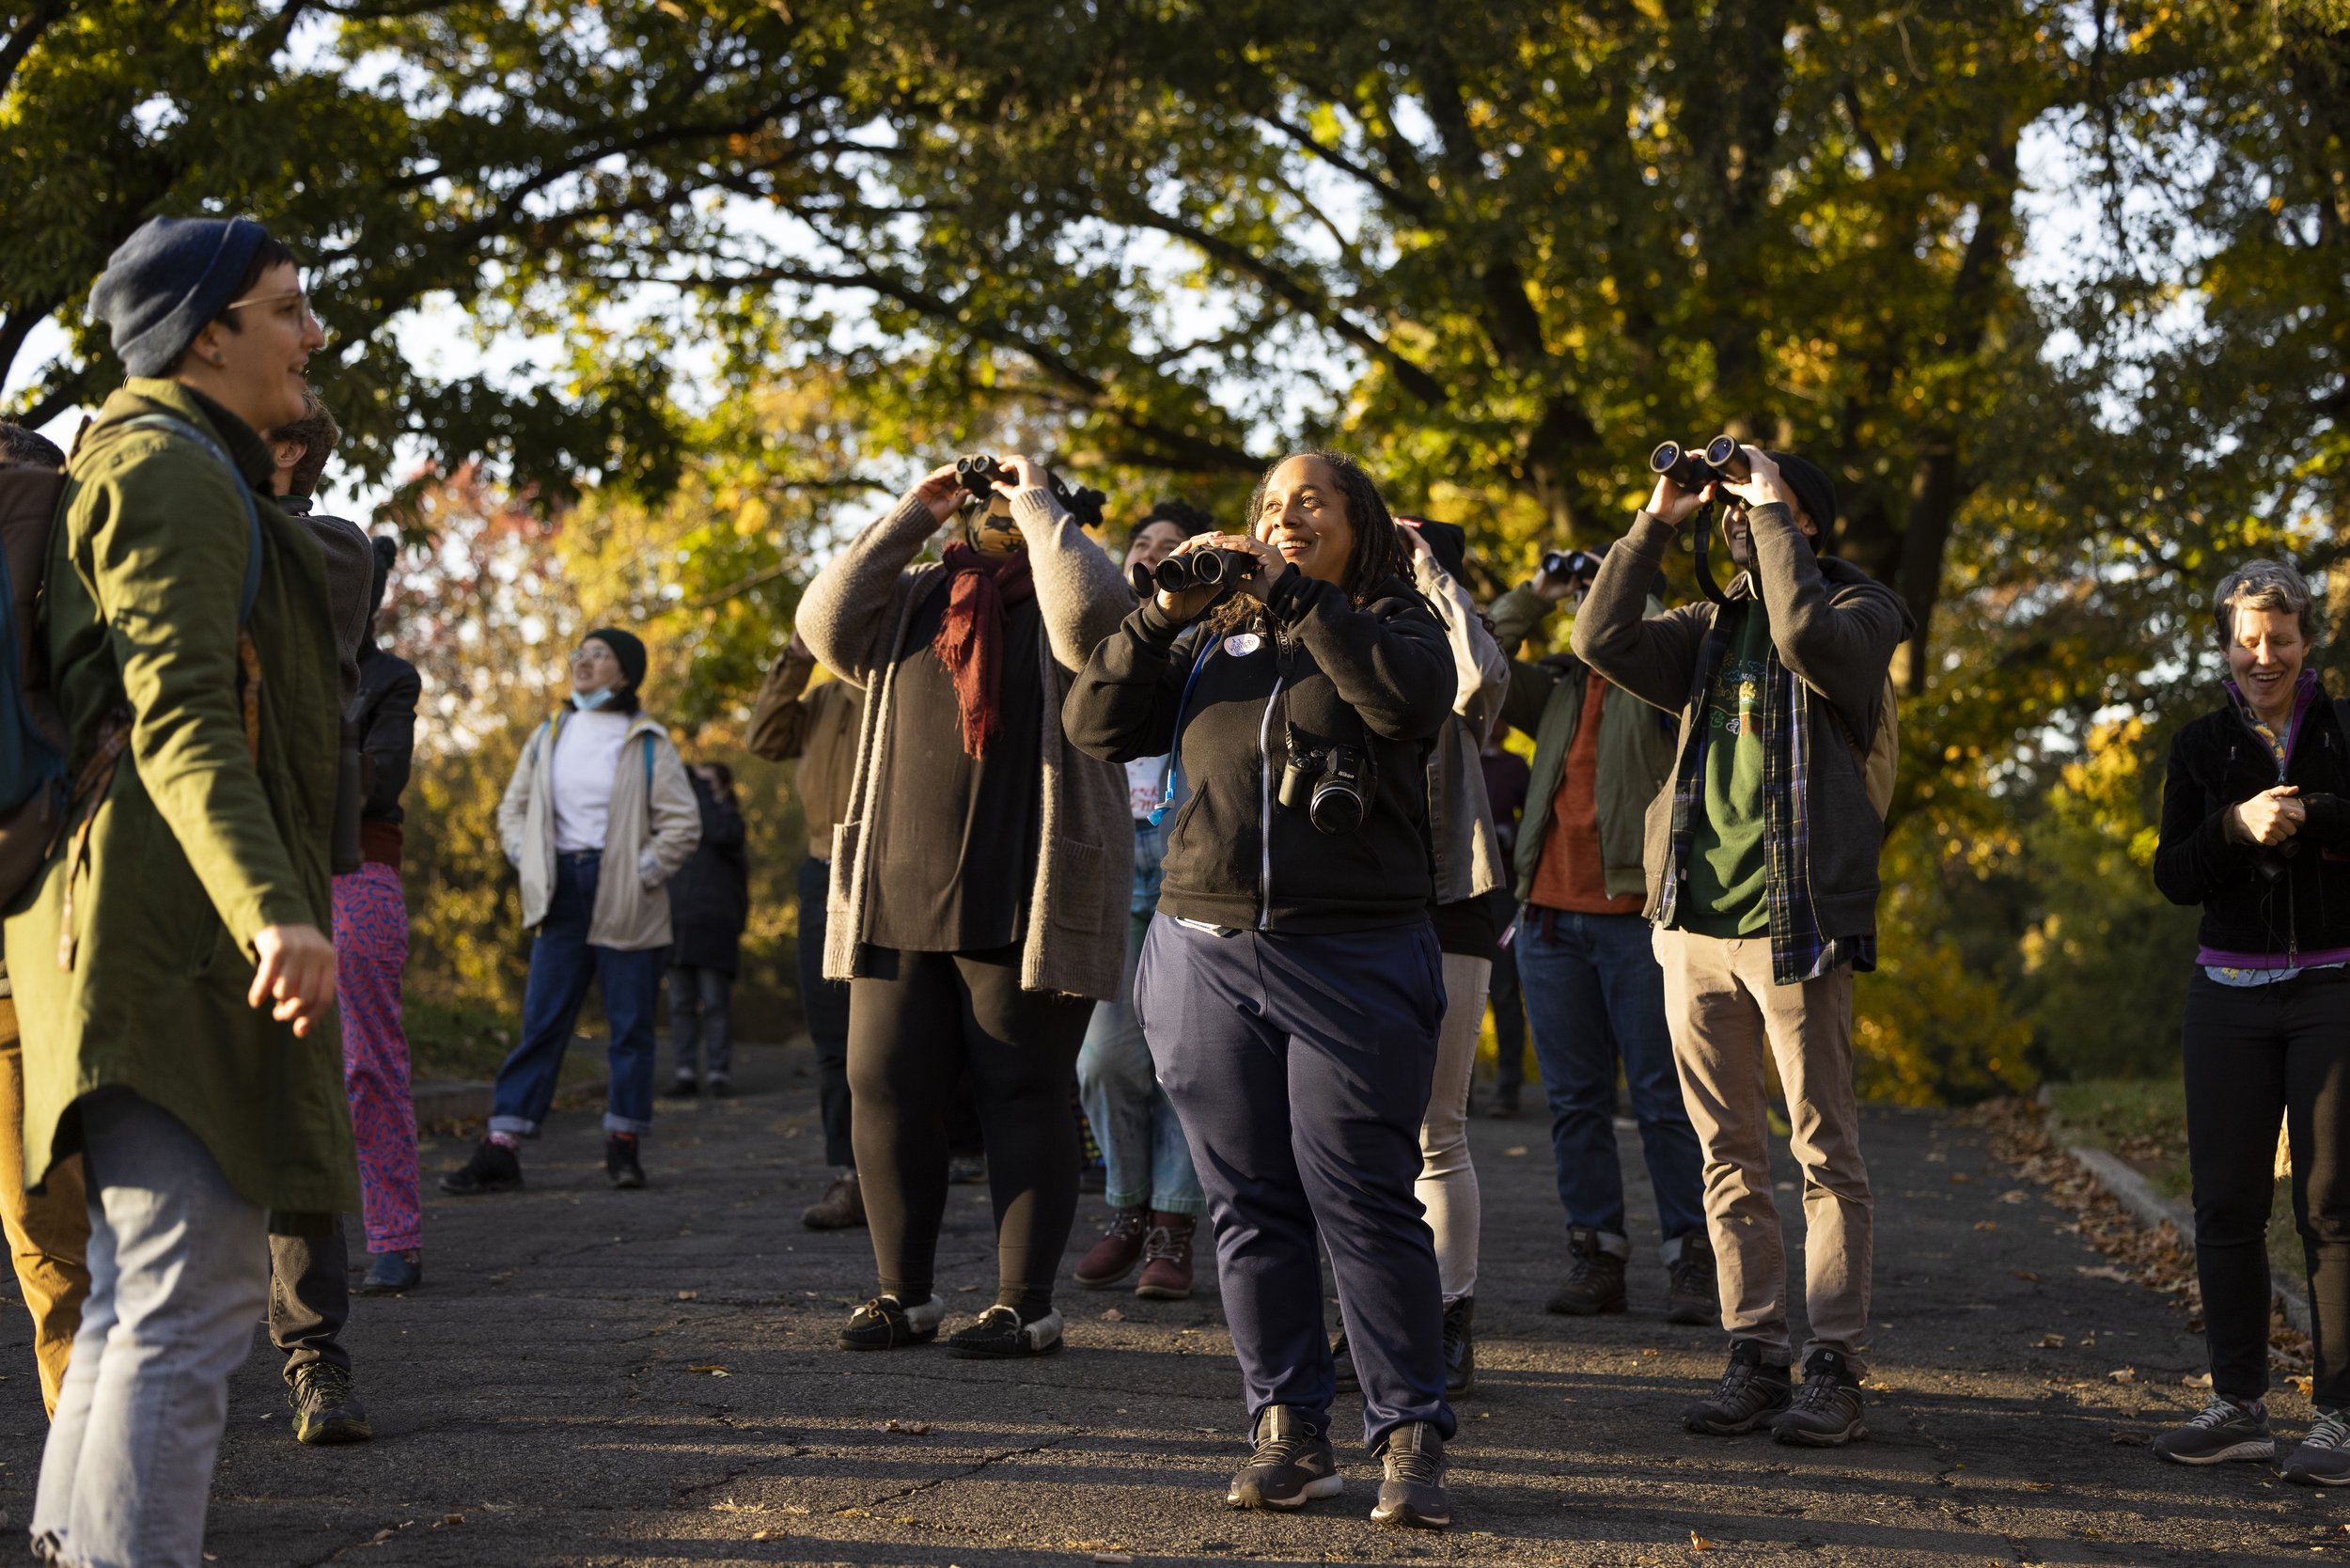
{"type": "Point", "coordinates": [170, 961]}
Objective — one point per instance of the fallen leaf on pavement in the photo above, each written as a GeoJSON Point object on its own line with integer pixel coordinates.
{"type": "Point", "coordinates": [689, 1295]}
{"type": "Point", "coordinates": [2051, 1342]}
{"type": "Point", "coordinates": [1514, 1150]}
{"type": "Point", "coordinates": [2014, 1195]}
{"type": "Point", "coordinates": [1960, 1177]}
{"type": "Point", "coordinates": [1113, 1315]}
{"type": "Point", "coordinates": [1986, 1225]}
{"type": "Point", "coordinates": [2300, 1385]}
{"type": "Point", "coordinates": [1698, 1543]}
{"type": "Point", "coordinates": [2027, 1276]}
{"type": "Point", "coordinates": [2130, 1439]}
{"type": "Point", "coordinates": [712, 1368]}
{"type": "Point", "coordinates": [2039, 1486]}
{"type": "Point", "coordinates": [2108, 1272]}
{"type": "Point", "coordinates": [912, 1429]}
{"type": "Point", "coordinates": [2123, 1375]}
{"type": "Point", "coordinates": [452, 1518]}
{"type": "Point", "coordinates": [766, 1535]}
{"type": "Point", "coordinates": [2197, 1380]}
{"type": "Point", "coordinates": [1648, 1352]}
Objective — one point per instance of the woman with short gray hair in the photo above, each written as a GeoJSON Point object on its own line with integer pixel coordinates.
{"type": "Point", "coordinates": [2255, 829]}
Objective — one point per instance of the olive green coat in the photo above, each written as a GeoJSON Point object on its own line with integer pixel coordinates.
{"type": "Point", "coordinates": [195, 849]}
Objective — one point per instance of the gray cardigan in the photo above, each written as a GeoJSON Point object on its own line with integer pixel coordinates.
{"type": "Point", "coordinates": [853, 618]}
{"type": "Point", "coordinates": [1466, 848]}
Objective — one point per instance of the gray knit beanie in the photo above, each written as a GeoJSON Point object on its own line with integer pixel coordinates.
{"type": "Point", "coordinates": [165, 281]}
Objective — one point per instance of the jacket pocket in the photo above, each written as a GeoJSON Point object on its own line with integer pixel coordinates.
{"type": "Point", "coordinates": [1076, 890]}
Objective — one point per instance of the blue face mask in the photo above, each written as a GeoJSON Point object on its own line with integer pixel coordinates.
{"type": "Point", "coordinates": [588, 702]}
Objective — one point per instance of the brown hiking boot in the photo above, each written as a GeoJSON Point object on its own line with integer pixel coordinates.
{"type": "Point", "coordinates": [1115, 1255]}
{"type": "Point", "coordinates": [1594, 1280]}
{"type": "Point", "coordinates": [841, 1208]}
{"type": "Point", "coordinates": [1167, 1258]}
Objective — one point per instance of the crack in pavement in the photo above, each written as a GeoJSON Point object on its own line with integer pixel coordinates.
{"type": "Point", "coordinates": [1963, 1505]}
{"type": "Point", "coordinates": [920, 1487]}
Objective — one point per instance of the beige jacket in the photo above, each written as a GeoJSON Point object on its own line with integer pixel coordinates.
{"type": "Point", "coordinates": [653, 827]}
{"type": "Point", "coordinates": [853, 618]}
{"type": "Point", "coordinates": [1467, 849]}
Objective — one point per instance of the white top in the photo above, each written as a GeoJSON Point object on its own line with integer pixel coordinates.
{"type": "Point", "coordinates": [587, 758]}
{"type": "Point", "coordinates": [1146, 781]}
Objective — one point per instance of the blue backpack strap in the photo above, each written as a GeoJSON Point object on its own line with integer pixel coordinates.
{"type": "Point", "coordinates": [649, 766]}
{"type": "Point", "coordinates": [179, 427]}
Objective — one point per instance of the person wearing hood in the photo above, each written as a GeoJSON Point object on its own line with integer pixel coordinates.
{"type": "Point", "coordinates": [1760, 861]}
{"type": "Point", "coordinates": [597, 819]}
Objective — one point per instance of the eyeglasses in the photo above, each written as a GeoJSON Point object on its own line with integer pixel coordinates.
{"type": "Point", "coordinates": [299, 299]}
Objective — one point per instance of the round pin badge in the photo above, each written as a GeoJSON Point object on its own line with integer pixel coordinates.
{"type": "Point", "coordinates": [1241, 643]}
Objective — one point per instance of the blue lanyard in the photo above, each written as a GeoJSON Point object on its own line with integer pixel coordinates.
{"type": "Point", "coordinates": [1175, 747]}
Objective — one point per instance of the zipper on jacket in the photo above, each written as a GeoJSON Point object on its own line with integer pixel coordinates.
{"type": "Point", "coordinates": [1264, 799]}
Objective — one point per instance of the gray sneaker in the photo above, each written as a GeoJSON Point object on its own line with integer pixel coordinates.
{"type": "Point", "coordinates": [1748, 1392]}
{"type": "Point", "coordinates": [1825, 1411]}
{"type": "Point", "coordinates": [2324, 1457]}
{"type": "Point", "coordinates": [1292, 1462]}
{"type": "Point", "coordinates": [2221, 1430]}
{"type": "Point", "coordinates": [325, 1410]}
{"type": "Point", "coordinates": [1411, 1496]}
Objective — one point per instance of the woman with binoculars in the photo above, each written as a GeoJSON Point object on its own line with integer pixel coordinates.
{"type": "Point", "coordinates": [1290, 986]}
{"type": "Point", "coordinates": [976, 901]}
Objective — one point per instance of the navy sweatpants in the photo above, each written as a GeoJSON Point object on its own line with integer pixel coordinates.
{"type": "Point", "coordinates": [1300, 1068]}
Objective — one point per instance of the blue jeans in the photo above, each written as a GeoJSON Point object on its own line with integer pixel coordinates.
{"type": "Point", "coordinates": [563, 964]}
{"type": "Point", "coordinates": [1142, 1144]}
{"type": "Point", "coordinates": [179, 1267]}
{"type": "Point", "coordinates": [1592, 992]}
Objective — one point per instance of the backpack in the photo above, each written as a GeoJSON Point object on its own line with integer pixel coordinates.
{"type": "Point", "coordinates": [35, 802]}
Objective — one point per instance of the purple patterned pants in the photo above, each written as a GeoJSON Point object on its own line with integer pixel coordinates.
{"type": "Point", "coordinates": [370, 953]}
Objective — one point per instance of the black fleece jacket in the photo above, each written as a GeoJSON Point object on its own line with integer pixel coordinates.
{"type": "Point", "coordinates": [2255, 900]}
{"type": "Point", "coordinates": [1379, 678]}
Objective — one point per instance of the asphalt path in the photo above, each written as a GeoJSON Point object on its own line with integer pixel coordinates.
{"type": "Point", "coordinates": [599, 1377]}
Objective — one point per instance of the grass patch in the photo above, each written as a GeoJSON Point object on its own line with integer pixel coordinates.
{"type": "Point", "coordinates": [2144, 1122]}
{"type": "Point", "coordinates": [455, 1039]}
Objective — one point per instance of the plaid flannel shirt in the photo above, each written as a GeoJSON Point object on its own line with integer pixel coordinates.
{"type": "Point", "coordinates": [1799, 950]}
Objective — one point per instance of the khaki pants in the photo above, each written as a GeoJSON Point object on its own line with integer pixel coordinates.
{"type": "Point", "coordinates": [48, 1235]}
{"type": "Point", "coordinates": [1729, 1021]}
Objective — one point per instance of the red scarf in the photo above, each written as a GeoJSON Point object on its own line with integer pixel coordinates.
{"type": "Point", "coordinates": [970, 640]}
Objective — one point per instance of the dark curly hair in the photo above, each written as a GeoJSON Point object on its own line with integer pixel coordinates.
{"type": "Point", "coordinates": [1379, 551]}
{"type": "Point", "coordinates": [1190, 519]}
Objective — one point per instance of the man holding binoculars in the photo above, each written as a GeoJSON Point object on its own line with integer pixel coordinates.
{"type": "Point", "coordinates": [1761, 871]}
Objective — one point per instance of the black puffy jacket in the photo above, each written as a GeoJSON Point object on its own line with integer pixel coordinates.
{"type": "Point", "coordinates": [1378, 678]}
{"type": "Point", "coordinates": [2255, 900]}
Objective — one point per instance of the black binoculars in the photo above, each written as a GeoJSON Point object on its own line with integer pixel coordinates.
{"type": "Point", "coordinates": [1197, 569]}
{"type": "Point", "coordinates": [980, 475]}
{"type": "Point", "coordinates": [1569, 564]}
{"type": "Point", "coordinates": [1723, 459]}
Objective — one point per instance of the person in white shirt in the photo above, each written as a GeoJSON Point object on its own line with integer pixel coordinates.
{"type": "Point", "coordinates": [599, 816]}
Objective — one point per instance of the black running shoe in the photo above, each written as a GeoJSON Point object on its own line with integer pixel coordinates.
{"type": "Point", "coordinates": [1748, 1392]}
{"type": "Point", "coordinates": [2324, 1457]}
{"type": "Point", "coordinates": [493, 1168]}
{"type": "Point", "coordinates": [998, 1335]}
{"type": "Point", "coordinates": [1460, 1347]}
{"type": "Point", "coordinates": [1291, 1464]}
{"type": "Point", "coordinates": [2221, 1430]}
{"type": "Point", "coordinates": [325, 1410]}
{"type": "Point", "coordinates": [885, 1323]}
{"type": "Point", "coordinates": [1411, 1494]}
{"type": "Point", "coordinates": [622, 1167]}
{"type": "Point", "coordinates": [1826, 1412]}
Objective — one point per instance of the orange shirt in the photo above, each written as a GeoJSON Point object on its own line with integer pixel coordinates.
{"type": "Point", "coordinates": [1570, 876]}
